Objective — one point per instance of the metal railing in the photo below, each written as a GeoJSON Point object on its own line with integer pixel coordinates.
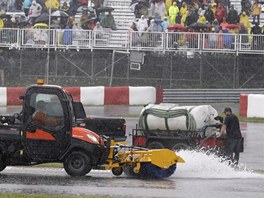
{"type": "Point", "coordinates": [206, 95]}
{"type": "Point", "coordinates": [127, 40]}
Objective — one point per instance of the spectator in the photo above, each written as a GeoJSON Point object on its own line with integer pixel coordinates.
{"type": "Point", "coordinates": [168, 4]}
{"type": "Point", "coordinates": [256, 11]}
{"type": "Point", "coordinates": [133, 34]}
{"type": "Point", "coordinates": [98, 30]}
{"type": "Point", "coordinates": [202, 19]}
{"type": "Point", "coordinates": [98, 3]}
{"type": "Point", "coordinates": [109, 21]}
{"type": "Point", "coordinates": [64, 7]}
{"type": "Point", "coordinates": [67, 36]}
{"type": "Point", "coordinates": [178, 18]}
{"type": "Point", "coordinates": [84, 2]}
{"type": "Point", "coordinates": [34, 11]}
{"type": "Point", "coordinates": [216, 25]}
{"type": "Point", "coordinates": [142, 24]}
{"type": "Point", "coordinates": [183, 9]}
{"type": "Point", "coordinates": [224, 24]}
{"type": "Point", "coordinates": [256, 43]}
{"type": "Point", "coordinates": [243, 30]}
{"type": "Point", "coordinates": [228, 39]}
{"type": "Point", "coordinates": [173, 12]}
{"type": "Point", "coordinates": [192, 17]}
{"type": "Point", "coordinates": [209, 15]}
{"type": "Point", "coordinates": [246, 6]}
{"type": "Point", "coordinates": [165, 24]}
{"type": "Point", "coordinates": [244, 19]}
{"type": "Point", "coordinates": [183, 18]}
{"type": "Point", "coordinates": [220, 13]}
{"type": "Point", "coordinates": [152, 8]}
{"type": "Point", "coordinates": [154, 27]}
{"type": "Point", "coordinates": [212, 38]}
{"type": "Point", "coordinates": [73, 7]}
{"type": "Point", "coordinates": [160, 8]}
{"type": "Point", "coordinates": [26, 6]}
{"type": "Point", "coordinates": [214, 6]}
{"type": "Point", "coordinates": [232, 17]}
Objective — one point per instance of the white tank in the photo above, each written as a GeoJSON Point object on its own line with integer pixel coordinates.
{"type": "Point", "coordinates": [174, 117]}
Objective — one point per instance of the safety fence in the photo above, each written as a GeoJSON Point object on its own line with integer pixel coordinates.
{"type": "Point", "coordinates": [206, 95]}
{"type": "Point", "coordinates": [127, 40]}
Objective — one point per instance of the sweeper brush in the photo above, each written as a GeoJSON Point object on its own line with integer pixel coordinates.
{"type": "Point", "coordinates": [141, 162]}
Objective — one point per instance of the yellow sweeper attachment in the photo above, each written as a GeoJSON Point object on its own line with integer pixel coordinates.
{"type": "Point", "coordinates": [141, 162]}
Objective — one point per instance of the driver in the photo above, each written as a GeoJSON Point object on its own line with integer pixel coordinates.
{"type": "Point", "coordinates": [40, 117]}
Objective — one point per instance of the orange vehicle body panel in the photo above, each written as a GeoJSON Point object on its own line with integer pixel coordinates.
{"type": "Point", "coordinates": [81, 133]}
{"type": "Point", "coordinates": [39, 134]}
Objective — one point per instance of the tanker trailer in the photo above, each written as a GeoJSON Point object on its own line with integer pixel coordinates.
{"type": "Point", "coordinates": [177, 127]}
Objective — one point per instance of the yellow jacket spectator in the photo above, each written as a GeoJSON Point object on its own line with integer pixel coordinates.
{"type": "Point", "coordinates": [201, 19]}
{"type": "Point", "coordinates": [173, 12]}
{"type": "Point", "coordinates": [168, 4]}
{"type": "Point", "coordinates": [214, 6]}
{"type": "Point", "coordinates": [183, 9]}
{"type": "Point", "coordinates": [183, 19]}
{"type": "Point", "coordinates": [244, 19]}
{"type": "Point", "coordinates": [1, 23]}
{"type": "Point", "coordinates": [256, 9]}
{"type": "Point", "coordinates": [52, 4]}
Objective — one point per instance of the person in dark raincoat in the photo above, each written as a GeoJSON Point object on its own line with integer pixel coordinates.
{"type": "Point", "coordinates": [109, 21]}
{"type": "Point", "coordinates": [232, 17]}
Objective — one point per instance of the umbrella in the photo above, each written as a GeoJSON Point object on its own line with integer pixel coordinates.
{"type": "Point", "coordinates": [176, 26]}
{"type": "Point", "coordinates": [23, 23]}
{"type": "Point", "coordinates": [199, 25]}
{"type": "Point", "coordinates": [40, 25]}
{"type": "Point", "coordinates": [44, 17]}
{"type": "Point", "coordinates": [104, 9]}
{"type": "Point", "coordinates": [85, 8]}
{"type": "Point", "coordinates": [232, 26]}
{"type": "Point", "coordinates": [59, 13]}
{"type": "Point", "coordinates": [139, 1]}
{"type": "Point", "coordinates": [90, 19]}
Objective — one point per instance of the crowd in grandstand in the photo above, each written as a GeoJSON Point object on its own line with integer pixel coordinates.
{"type": "Point", "coordinates": [219, 14]}
{"type": "Point", "coordinates": [208, 16]}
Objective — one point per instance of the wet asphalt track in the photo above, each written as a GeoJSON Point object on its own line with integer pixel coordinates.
{"type": "Point", "coordinates": [201, 176]}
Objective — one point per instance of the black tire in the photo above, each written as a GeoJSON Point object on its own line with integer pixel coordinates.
{"type": "Point", "coordinates": [117, 171]}
{"type": "Point", "coordinates": [180, 146]}
{"type": "Point", "coordinates": [155, 145]}
{"type": "Point", "coordinates": [129, 170]}
{"type": "Point", "coordinates": [2, 163]}
{"type": "Point", "coordinates": [77, 164]}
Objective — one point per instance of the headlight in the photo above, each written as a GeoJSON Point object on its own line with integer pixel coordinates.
{"type": "Point", "coordinates": [93, 138]}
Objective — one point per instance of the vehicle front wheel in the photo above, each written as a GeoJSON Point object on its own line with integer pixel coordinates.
{"type": "Point", "coordinates": [77, 164]}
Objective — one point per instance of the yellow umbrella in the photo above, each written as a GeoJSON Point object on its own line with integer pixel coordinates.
{"type": "Point", "coordinates": [40, 25]}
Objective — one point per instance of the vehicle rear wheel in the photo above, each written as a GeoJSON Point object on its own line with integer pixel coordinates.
{"type": "Point", "coordinates": [180, 146]}
{"type": "Point", "coordinates": [155, 145]}
{"type": "Point", "coordinates": [117, 171]}
{"type": "Point", "coordinates": [2, 163]}
{"type": "Point", "coordinates": [77, 164]}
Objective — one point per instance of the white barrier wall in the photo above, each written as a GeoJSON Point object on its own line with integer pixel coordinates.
{"type": "Point", "coordinates": [3, 96]}
{"type": "Point", "coordinates": [255, 106]}
{"type": "Point", "coordinates": [142, 95]}
{"type": "Point", "coordinates": [92, 95]}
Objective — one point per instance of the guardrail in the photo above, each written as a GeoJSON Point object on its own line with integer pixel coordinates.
{"type": "Point", "coordinates": [206, 95]}
{"type": "Point", "coordinates": [144, 41]}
